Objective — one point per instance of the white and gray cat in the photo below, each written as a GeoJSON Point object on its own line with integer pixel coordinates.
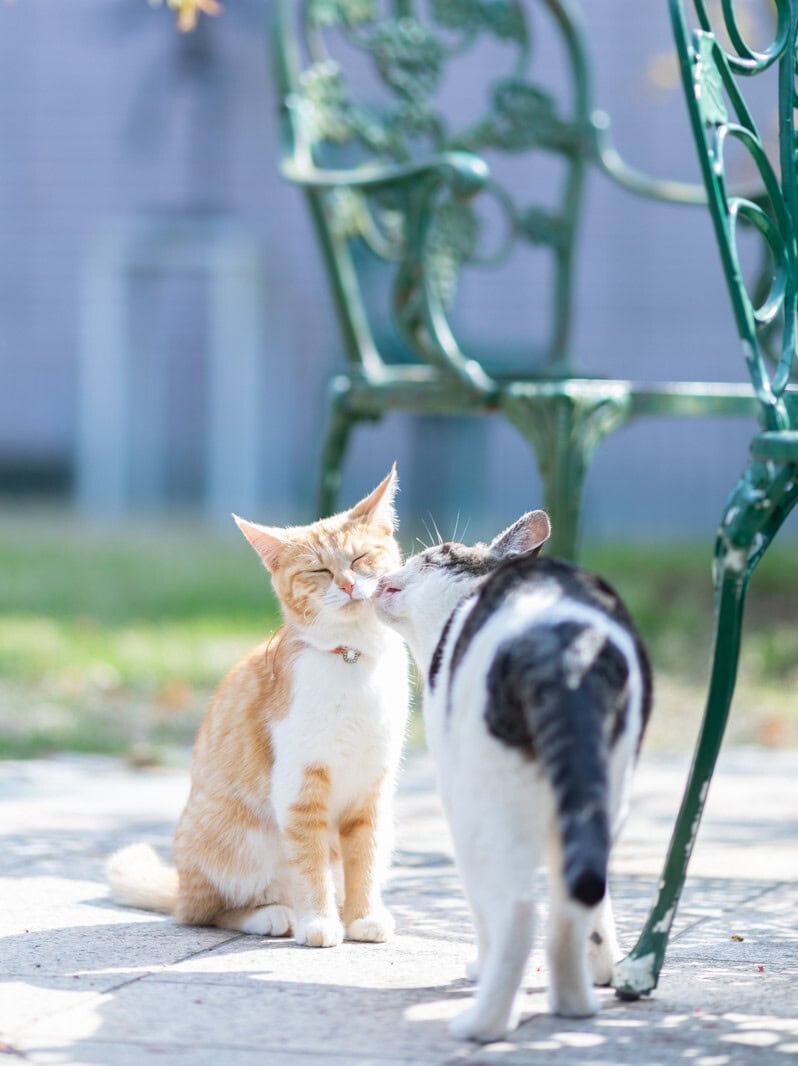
{"type": "Point", "coordinates": [537, 692]}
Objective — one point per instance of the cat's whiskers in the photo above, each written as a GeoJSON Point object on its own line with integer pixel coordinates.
{"type": "Point", "coordinates": [435, 527]}
{"type": "Point", "coordinates": [434, 538]}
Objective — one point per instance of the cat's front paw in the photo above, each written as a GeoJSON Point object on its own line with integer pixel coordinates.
{"type": "Point", "coordinates": [473, 1025]}
{"type": "Point", "coordinates": [374, 928]}
{"type": "Point", "coordinates": [319, 931]}
{"type": "Point", "coordinates": [472, 968]}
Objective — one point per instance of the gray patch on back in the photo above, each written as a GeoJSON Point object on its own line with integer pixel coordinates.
{"type": "Point", "coordinates": [569, 583]}
{"type": "Point", "coordinates": [533, 676]}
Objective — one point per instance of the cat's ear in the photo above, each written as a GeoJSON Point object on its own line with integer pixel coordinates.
{"type": "Point", "coordinates": [529, 533]}
{"type": "Point", "coordinates": [267, 541]}
{"type": "Point", "coordinates": [378, 507]}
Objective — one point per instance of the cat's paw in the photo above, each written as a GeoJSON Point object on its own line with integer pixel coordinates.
{"type": "Point", "coordinates": [572, 1004]}
{"type": "Point", "coordinates": [472, 969]}
{"type": "Point", "coordinates": [271, 920]}
{"type": "Point", "coordinates": [472, 1025]}
{"type": "Point", "coordinates": [374, 928]}
{"type": "Point", "coordinates": [319, 931]}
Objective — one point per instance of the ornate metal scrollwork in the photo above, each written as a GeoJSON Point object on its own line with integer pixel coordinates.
{"type": "Point", "coordinates": [408, 49]}
{"type": "Point", "coordinates": [766, 320]}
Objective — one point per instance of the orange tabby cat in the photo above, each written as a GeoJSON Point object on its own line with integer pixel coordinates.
{"type": "Point", "coordinates": [293, 767]}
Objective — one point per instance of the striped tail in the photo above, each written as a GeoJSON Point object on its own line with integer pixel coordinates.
{"type": "Point", "coordinates": [569, 742]}
{"type": "Point", "coordinates": [539, 704]}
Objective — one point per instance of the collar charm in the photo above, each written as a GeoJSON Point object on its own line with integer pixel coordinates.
{"type": "Point", "coordinates": [349, 655]}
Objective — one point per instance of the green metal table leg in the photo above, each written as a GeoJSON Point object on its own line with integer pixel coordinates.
{"type": "Point", "coordinates": [756, 510]}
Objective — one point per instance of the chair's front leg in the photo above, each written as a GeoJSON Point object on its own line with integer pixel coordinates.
{"type": "Point", "coordinates": [755, 511]}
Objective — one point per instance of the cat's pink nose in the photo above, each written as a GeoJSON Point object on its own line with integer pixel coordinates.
{"type": "Point", "coordinates": [346, 586]}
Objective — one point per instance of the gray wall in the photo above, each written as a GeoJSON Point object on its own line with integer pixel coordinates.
{"type": "Point", "coordinates": [106, 113]}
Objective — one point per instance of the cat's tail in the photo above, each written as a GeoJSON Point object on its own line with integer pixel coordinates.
{"type": "Point", "coordinates": [138, 877]}
{"type": "Point", "coordinates": [572, 747]}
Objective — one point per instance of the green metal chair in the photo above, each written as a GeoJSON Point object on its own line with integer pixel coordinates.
{"type": "Point", "coordinates": [768, 487]}
{"type": "Point", "coordinates": [396, 181]}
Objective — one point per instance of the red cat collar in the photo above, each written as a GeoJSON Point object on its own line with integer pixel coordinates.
{"type": "Point", "coordinates": [349, 655]}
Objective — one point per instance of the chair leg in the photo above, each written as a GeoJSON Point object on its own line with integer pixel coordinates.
{"type": "Point", "coordinates": [563, 470]}
{"type": "Point", "coordinates": [564, 431]}
{"type": "Point", "coordinates": [339, 426]}
{"type": "Point", "coordinates": [754, 514]}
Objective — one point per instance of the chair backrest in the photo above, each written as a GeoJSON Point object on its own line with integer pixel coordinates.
{"type": "Point", "coordinates": [713, 74]}
{"type": "Point", "coordinates": [410, 51]}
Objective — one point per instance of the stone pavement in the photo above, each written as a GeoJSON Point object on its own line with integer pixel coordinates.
{"type": "Point", "coordinates": [83, 981]}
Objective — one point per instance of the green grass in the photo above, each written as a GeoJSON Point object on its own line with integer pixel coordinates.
{"type": "Point", "coordinates": [114, 642]}
{"type": "Point", "coordinates": [669, 592]}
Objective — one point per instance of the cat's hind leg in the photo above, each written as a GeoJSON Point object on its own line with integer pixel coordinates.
{"type": "Point", "coordinates": [495, 844]}
{"type": "Point", "coordinates": [200, 902]}
{"type": "Point", "coordinates": [602, 948]}
{"type": "Point", "coordinates": [474, 966]}
{"type": "Point", "coordinates": [494, 1012]}
{"type": "Point", "coordinates": [570, 924]}
{"type": "Point", "coordinates": [271, 919]}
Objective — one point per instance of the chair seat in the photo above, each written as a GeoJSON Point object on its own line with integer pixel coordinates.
{"type": "Point", "coordinates": [425, 389]}
{"type": "Point", "coordinates": [780, 446]}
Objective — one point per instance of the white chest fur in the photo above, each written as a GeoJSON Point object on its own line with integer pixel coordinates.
{"type": "Point", "coordinates": [347, 717]}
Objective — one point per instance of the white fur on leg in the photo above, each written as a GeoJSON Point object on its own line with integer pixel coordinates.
{"type": "Point", "coordinates": [319, 930]}
{"type": "Point", "coordinates": [474, 966]}
{"type": "Point", "coordinates": [271, 920]}
{"type": "Point", "coordinates": [571, 993]}
{"type": "Point", "coordinates": [495, 1011]}
{"type": "Point", "coordinates": [602, 947]}
{"type": "Point", "coordinates": [504, 820]}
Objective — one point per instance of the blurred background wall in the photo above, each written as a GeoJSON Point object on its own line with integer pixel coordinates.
{"type": "Point", "coordinates": [123, 140]}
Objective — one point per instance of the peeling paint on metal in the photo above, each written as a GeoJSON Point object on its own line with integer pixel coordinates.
{"type": "Point", "coordinates": [636, 975]}
{"type": "Point", "coordinates": [736, 560]}
{"type": "Point", "coordinates": [666, 921]}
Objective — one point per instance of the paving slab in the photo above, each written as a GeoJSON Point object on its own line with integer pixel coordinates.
{"type": "Point", "coordinates": [84, 981]}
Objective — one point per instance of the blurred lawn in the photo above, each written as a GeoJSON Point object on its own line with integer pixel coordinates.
{"type": "Point", "coordinates": [113, 642]}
